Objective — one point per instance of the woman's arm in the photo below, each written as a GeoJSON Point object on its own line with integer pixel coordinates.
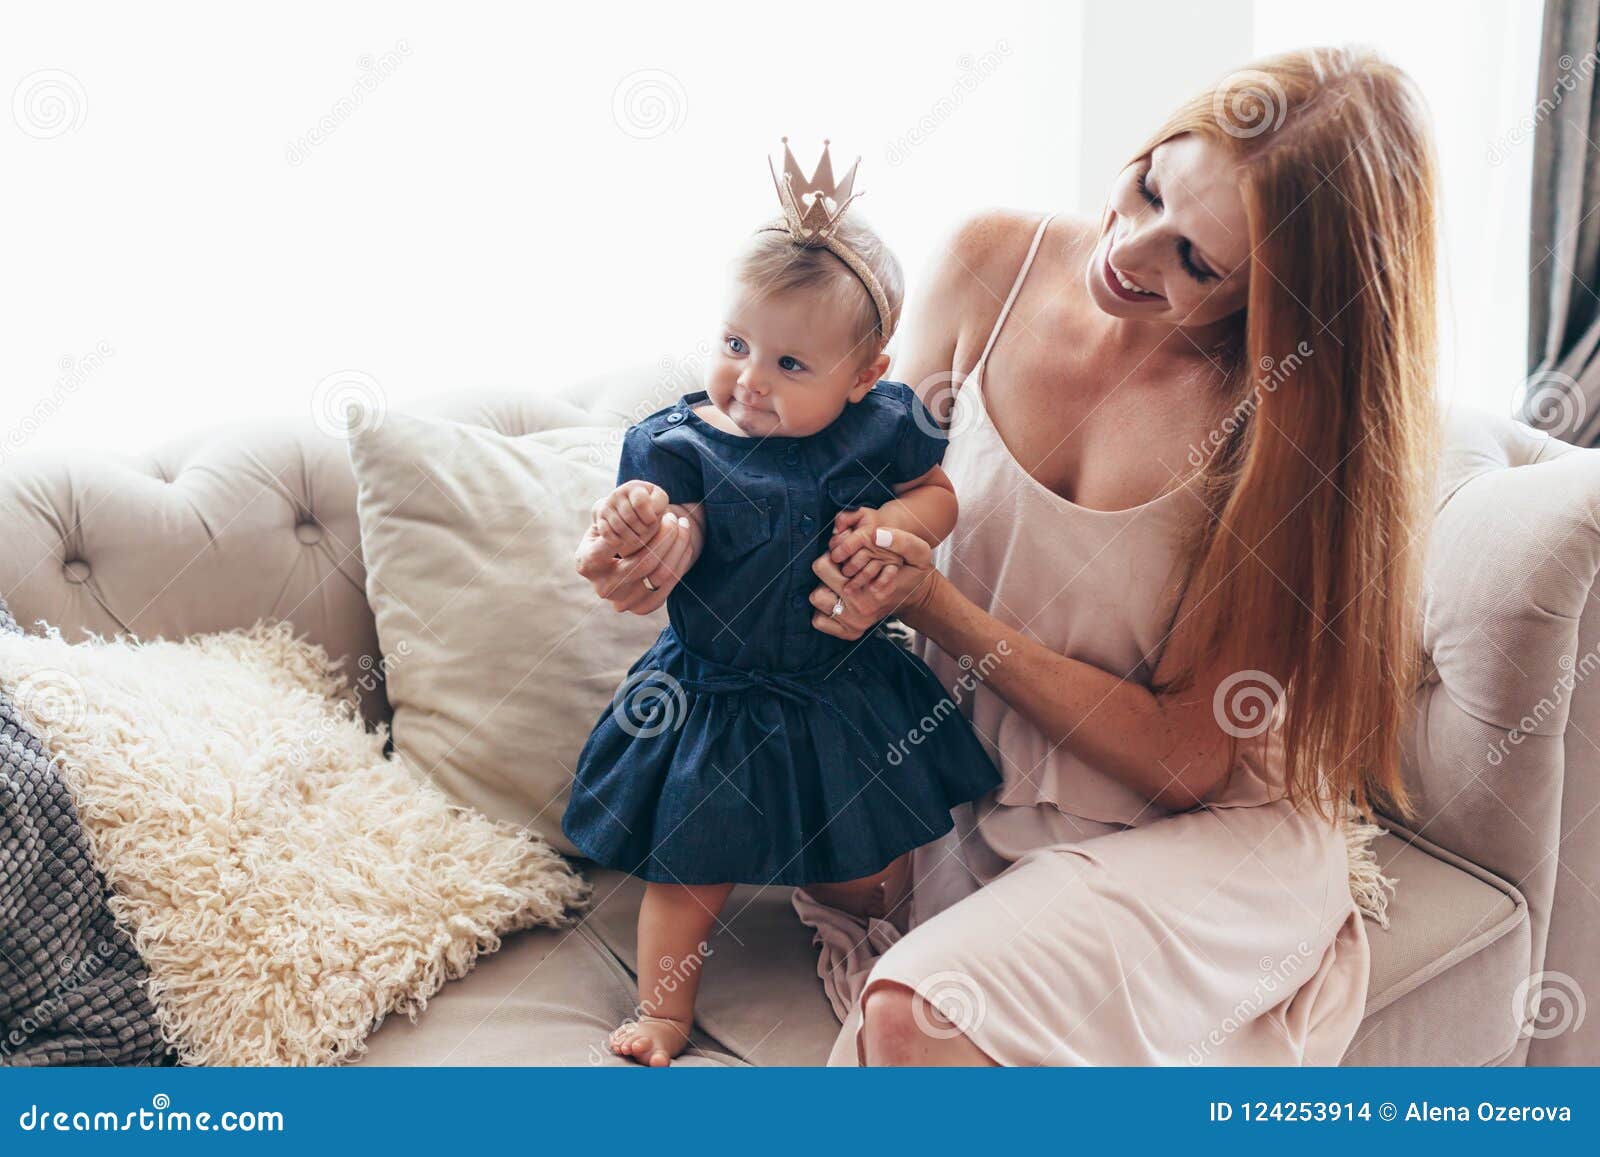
{"type": "Point", "coordinates": [1169, 748]}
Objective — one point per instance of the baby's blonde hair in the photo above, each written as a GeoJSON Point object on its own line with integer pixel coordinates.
{"type": "Point", "coordinates": [771, 262]}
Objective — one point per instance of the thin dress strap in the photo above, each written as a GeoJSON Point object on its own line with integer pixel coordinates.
{"type": "Point", "coordinates": [1016, 288]}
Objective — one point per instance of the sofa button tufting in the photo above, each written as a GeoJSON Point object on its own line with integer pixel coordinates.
{"type": "Point", "coordinates": [308, 532]}
{"type": "Point", "coordinates": [75, 571]}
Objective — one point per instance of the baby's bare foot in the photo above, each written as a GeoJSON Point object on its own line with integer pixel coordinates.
{"type": "Point", "coordinates": [650, 1040]}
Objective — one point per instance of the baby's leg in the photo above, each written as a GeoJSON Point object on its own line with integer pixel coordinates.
{"type": "Point", "coordinates": [881, 895]}
{"type": "Point", "coordinates": [674, 923]}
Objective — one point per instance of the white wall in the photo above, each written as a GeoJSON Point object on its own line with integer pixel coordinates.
{"type": "Point", "coordinates": [1133, 80]}
{"type": "Point", "coordinates": [1476, 62]}
{"type": "Point", "coordinates": [517, 195]}
{"type": "Point", "coordinates": [529, 193]}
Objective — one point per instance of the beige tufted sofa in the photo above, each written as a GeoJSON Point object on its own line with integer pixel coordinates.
{"type": "Point", "coordinates": [1499, 885]}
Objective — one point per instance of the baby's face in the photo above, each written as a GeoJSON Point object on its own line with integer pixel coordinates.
{"type": "Point", "coordinates": [786, 365]}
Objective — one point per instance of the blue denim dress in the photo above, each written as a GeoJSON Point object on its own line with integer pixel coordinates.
{"type": "Point", "coordinates": [746, 746]}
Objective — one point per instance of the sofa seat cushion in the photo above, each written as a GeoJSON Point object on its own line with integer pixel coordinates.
{"type": "Point", "coordinates": [1454, 930]}
{"type": "Point", "coordinates": [760, 996]}
{"type": "Point", "coordinates": [548, 997]}
{"type": "Point", "coordinates": [1450, 971]}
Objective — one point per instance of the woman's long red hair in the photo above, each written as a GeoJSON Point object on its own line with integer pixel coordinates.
{"type": "Point", "coordinates": [1310, 567]}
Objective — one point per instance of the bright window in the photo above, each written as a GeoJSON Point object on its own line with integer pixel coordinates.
{"type": "Point", "coordinates": [206, 217]}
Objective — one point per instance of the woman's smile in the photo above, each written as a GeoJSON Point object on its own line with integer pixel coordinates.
{"type": "Point", "coordinates": [1119, 282]}
{"type": "Point", "coordinates": [1124, 286]}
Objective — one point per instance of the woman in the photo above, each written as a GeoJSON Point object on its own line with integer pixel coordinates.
{"type": "Point", "coordinates": [1193, 447]}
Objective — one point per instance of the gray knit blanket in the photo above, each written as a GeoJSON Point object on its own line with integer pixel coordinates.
{"type": "Point", "coordinates": [72, 986]}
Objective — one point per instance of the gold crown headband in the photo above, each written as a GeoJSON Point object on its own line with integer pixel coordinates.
{"type": "Point", "coordinates": [811, 212]}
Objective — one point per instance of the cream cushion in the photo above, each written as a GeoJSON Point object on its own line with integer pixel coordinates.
{"type": "Point", "coordinates": [287, 886]}
{"type": "Point", "coordinates": [498, 656]}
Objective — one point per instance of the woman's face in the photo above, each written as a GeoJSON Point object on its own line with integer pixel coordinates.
{"type": "Point", "coordinates": [1176, 245]}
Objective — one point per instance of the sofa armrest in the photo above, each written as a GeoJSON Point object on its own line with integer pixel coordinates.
{"type": "Point", "coordinates": [1510, 632]}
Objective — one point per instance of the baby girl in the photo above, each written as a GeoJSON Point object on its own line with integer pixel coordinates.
{"type": "Point", "coordinates": [746, 745]}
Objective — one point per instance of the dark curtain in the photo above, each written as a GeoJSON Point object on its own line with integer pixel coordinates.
{"type": "Point", "coordinates": [1563, 389]}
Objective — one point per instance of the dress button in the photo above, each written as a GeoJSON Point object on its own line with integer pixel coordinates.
{"type": "Point", "coordinates": [807, 522]}
{"type": "Point", "coordinates": [675, 416]}
{"type": "Point", "coordinates": [792, 456]}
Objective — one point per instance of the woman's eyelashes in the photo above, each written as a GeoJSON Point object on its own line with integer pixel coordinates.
{"type": "Point", "coordinates": [1190, 266]}
{"type": "Point", "coordinates": [1185, 248]}
{"type": "Point", "coordinates": [1145, 190]}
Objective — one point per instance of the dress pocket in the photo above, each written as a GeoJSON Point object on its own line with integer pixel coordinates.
{"type": "Point", "coordinates": [733, 529]}
{"type": "Point", "coordinates": [858, 488]}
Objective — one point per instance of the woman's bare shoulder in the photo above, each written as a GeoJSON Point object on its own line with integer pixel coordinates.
{"type": "Point", "coordinates": [983, 252]}
{"type": "Point", "coordinates": [969, 275]}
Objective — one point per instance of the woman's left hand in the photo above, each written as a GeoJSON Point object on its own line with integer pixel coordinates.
{"type": "Point", "coordinates": [897, 588]}
{"type": "Point", "coordinates": [853, 547]}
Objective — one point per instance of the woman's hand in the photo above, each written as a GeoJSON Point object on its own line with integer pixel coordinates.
{"type": "Point", "coordinates": [899, 587]}
{"type": "Point", "coordinates": [618, 578]}
{"type": "Point", "coordinates": [630, 515]}
{"type": "Point", "coordinates": [853, 548]}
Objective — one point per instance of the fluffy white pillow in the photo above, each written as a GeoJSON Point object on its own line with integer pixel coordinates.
{"type": "Point", "coordinates": [286, 884]}
{"type": "Point", "coordinates": [469, 538]}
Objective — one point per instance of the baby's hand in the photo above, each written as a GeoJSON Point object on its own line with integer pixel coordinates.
{"type": "Point", "coordinates": [853, 550]}
{"type": "Point", "coordinates": [628, 517]}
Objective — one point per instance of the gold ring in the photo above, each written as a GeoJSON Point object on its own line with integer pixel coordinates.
{"type": "Point", "coordinates": [648, 585]}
